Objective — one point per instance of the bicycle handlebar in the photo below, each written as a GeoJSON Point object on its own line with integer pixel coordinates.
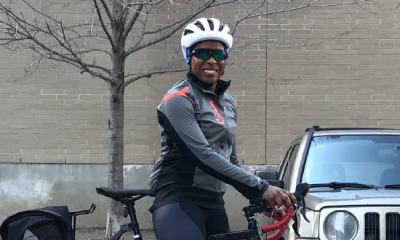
{"type": "Point", "coordinates": [280, 225]}
{"type": "Point", "coordinates": [261, 205]}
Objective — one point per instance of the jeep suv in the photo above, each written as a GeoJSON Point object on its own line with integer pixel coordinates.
{"type": "Point", "coordinates": [354, 177]}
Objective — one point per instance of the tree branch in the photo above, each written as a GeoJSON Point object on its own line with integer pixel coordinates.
{"type": "Point", "coordinates": [17, 19]}
{"type": "Point", "coordinates": [108, 12]}
{"type": "Point", "coordinates": [41, 13]}
{"type": "Point", "coordinates": [174, 23]}
{"type": "Point", "coordinates": [26, 35]}
{"type": "Point", "coordinates": [143, 30]}
{"type": "Point", "coordinates": [128, 6]}
{"type": "Point", "coordinates": [89, 50]}
{"type": "Point", "coordinates": [224, 2]}
{"type": "Point", "coordinates": [247, 16]}
{"type": "Point", "coordinates": [77, 60]}
{"type": "Point", "coordinates": [63, 60]}
{"type": "Point", "coordinates": [151, 73]}
{"type": "Point", "coordinates": [311, 4]}
{"type": "Point", "coordinates": [102, 22]}
{"type": "Point", "coordinates": [132, 21]}
{"type": "Point", "coordinates": [144, 2]}
{"type": "Point", "coordinates": [69, 49]}
{"type": "Point", "coordinates": [38, 60]}
{"type": "Point", "coordinates": [183, 22]}
{"type": "Point", "coordinates": [290, 45]}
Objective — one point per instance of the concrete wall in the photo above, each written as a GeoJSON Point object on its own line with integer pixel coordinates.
{"type": "Point", "coordinates": [29, 186]}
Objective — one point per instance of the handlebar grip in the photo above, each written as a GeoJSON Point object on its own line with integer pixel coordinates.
{"type": "Point", "coordinates": [281, 225]}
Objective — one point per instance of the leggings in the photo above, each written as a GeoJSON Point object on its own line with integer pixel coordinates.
{"type": "Point", "coordinates": [187, 221]}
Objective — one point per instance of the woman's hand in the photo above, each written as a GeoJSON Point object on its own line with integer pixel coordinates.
{"type": "Point", "coordinates": [275, 197]}
{"type": "Point", "coordinates": [282, 212]}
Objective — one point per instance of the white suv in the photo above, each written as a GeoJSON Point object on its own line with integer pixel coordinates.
{"type": "Point", "coordinates": [354, 177]}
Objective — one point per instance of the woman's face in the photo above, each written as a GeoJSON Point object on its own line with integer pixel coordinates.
{"type": "Point", "coordinates": [208, 71]}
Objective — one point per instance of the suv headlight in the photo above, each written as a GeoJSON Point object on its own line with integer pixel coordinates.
{"type": "Point", "coordinates": [340, 225]}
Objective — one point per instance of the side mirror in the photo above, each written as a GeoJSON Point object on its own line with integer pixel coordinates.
{"type": "Point", "coordinates": [271, 176]}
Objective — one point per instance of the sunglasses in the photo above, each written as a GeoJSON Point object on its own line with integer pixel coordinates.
{"type": "Point", "coordinates": [205, 54]}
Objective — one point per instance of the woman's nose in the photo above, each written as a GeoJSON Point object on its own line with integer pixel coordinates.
{"type": "Point", "coordinates": [212, 60]}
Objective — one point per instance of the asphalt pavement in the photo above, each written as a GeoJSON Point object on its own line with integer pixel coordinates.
{"type": "Point", "coordinates": [99, 234]}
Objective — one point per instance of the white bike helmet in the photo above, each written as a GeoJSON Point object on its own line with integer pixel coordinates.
{"type": "Point", "coordinates": [204, 29]}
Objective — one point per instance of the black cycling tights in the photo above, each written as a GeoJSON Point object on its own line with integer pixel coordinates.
{"type": "Point", "coordinates": [187, 221]}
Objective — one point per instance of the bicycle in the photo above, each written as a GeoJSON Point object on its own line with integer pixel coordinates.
{"type": "Point", "coordinates": [65, 221]}
{"type": "Point", "coordinates": [128, 197]}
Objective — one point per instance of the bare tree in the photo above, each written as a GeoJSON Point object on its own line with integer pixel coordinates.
{"type": "Point", "coordinates": [124, 25]}
{"type": "Point", "coordinates": [116, 22]}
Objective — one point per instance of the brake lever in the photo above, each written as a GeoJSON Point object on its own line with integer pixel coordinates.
{"type": "Point", "coordinates": [295, 225]}
{"type": "Point", "coordinates": [301, 192]}
{"type": "Point", "coordinates": [303, 210]}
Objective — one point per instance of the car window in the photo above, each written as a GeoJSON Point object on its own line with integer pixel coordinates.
{"type": "Point", "coordinates": [366, 159]}
{"type": "Point", "coordinates": [283, 165]}
{"type": "Point", "coordinates": [288, 171]}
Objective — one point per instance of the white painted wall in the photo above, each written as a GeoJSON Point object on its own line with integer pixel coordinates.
{"type": "Point", "coordinates": [29, 186]}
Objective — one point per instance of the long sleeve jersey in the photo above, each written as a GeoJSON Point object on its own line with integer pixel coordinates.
{"type": "Point", "coordinates": [198, 147]}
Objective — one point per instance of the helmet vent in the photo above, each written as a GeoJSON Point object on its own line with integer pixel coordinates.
{"type": "Point", "coordinates": [221, 28]}
{"type": "Point", "coordinates": [211, 24]}
{"type": "Point", "coordinates": [187, 31]}
{"type": "Point", "coordinates": [199, 25]}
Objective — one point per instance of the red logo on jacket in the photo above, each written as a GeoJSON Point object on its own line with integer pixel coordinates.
{"type": "Point", "coordinates": [217, 114]}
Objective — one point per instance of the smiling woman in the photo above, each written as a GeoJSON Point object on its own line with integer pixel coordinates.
{"type": "Point", "coordinates": [197, 119]}
{"type": "Point", "coordinates": [208, 62]}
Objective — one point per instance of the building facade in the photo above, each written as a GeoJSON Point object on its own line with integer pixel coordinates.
{"type": "Point", "coordinates": [327, 66]}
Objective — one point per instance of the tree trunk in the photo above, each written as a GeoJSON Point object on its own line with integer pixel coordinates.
{"type": "Point", "coordinates": [115, 158]}
{"type": "Point", "coordinates": [116, 121]}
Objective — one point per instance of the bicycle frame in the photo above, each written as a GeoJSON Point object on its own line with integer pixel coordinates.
{"type": "Point", "coordinates": [252, 232]}
{"type": "Point", "coordinates": [245, 234]}
{"type": "Point", "coordinates": [128, 197]}
{"type": "Point", "coordinates": [134, 225]}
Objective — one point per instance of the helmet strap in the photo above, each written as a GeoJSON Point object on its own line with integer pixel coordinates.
{"type": "Point", "coordinates": [188, 56]}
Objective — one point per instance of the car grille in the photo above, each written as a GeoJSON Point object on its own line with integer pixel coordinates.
{"type": "Point", "coordinates": [391, 226]}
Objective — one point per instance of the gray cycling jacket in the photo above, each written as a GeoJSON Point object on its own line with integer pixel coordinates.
{"type": "Point", "coordinates": [198, 155]}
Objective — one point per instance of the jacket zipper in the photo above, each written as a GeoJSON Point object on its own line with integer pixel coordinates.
{"type": "Point", "coordinates": [222, 110]}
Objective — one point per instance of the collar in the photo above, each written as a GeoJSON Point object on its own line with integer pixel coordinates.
{"type": "Point", "coordinates": [221, 87]}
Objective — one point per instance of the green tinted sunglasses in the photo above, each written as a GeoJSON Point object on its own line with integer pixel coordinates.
{"type": "Point", "coordinates": [205, 54]}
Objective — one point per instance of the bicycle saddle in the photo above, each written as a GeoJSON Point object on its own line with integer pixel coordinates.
{"type": "Point", "coordinates": [118, 194]}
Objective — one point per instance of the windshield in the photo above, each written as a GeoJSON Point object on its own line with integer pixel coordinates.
{"type": "Point", "coordinates": [366, 159]}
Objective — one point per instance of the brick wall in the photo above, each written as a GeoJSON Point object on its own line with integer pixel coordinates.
{"type": "Point", "coordinates": [351, 80]}
{"type": "Point", "coordinates": [334, 66]}
{"type": "Point", "coordinates": [58, 115]}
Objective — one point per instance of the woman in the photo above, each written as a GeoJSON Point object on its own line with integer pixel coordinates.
{"type": "Point", "coordinates": [197, 119]}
